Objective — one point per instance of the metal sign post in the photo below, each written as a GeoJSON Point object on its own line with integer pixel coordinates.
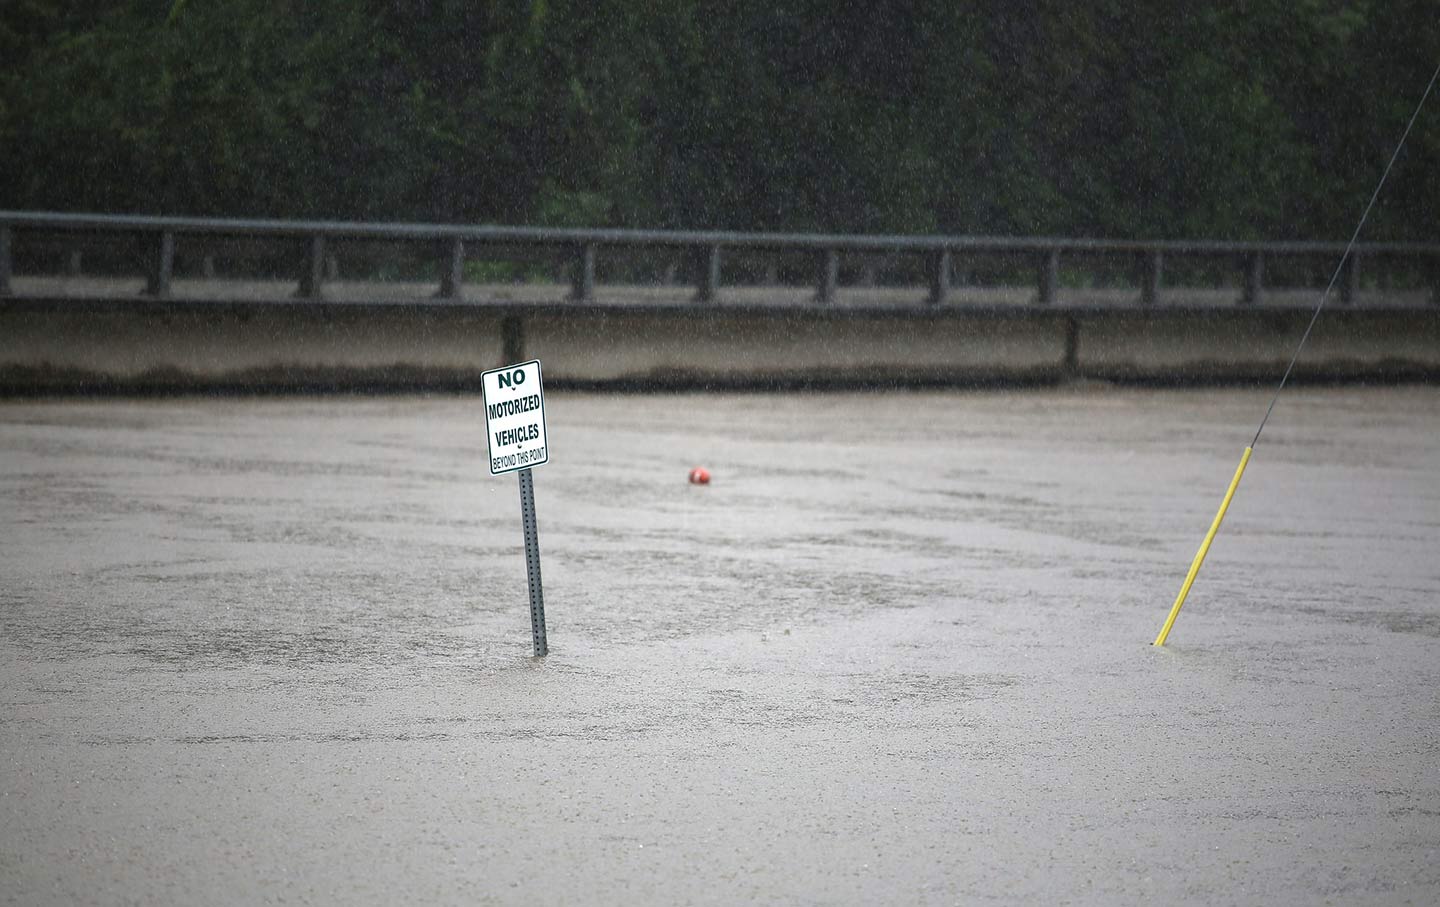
{"type": "Point", "coordinates": [532, 561]}
{"type": "Point", "coordinates": [515, 432]}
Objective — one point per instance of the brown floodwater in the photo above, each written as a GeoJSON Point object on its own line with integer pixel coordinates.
{"type": "Point", "coordinates": [898, 651]}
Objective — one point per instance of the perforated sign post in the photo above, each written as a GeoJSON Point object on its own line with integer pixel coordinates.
{"type": "Point", "coordinates": [515, 429]}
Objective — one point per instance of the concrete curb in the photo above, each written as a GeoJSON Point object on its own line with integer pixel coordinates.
{"type": "Point", "coordinates": [50, 345]}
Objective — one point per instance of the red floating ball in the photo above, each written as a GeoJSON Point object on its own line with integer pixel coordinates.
{"type": "Point", "coordinates": [699, 476]}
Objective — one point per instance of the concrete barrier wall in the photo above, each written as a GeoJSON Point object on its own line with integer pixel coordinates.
{"type": "Point", "coordinates": [797, 346]}
{"type": "Point", "coordinates": [1255, 345]}
{"type": "Point", "coordinates": [128, 346]}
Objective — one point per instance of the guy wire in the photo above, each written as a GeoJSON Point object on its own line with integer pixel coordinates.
{"type": "Point", "coordinates": [1345, 256]}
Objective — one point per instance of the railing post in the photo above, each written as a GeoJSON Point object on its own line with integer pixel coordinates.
{"type": "Point", "coordinates": [5, 267]}
{"type": "Point", "coordinates": [312, 278]}
{"type": "Point", "coordinates": [452, 271]}
{"type": "Point", "coordinates": [1254, 278]}
{"type": "Point", "coordinates": [939, 277]}
{"type": "Point", "coordinates": [1154, 278]}
{"type": "Point", "coordinates": [1350, 285]}
{"type": "Point", "coordinates": [1049, 277]}
{"type": "Point", "coordinates": [157, 282]}
{"type": "Point", "coordinates": [708, 262]}
{"type": "Point", "coordinates": [582, 279]}
{"type": "Point", "coordinates": [829, 276]}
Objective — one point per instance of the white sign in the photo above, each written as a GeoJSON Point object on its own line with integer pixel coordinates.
{"type": "Point", "coordinates": [514, 417]}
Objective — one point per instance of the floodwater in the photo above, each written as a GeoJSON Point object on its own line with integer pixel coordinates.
{"type": "Point", "coordinates": [263, 650]}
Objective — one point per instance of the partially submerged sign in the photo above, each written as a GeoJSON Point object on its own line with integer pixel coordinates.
{"type": "Point", "coordinates": [515, 430]}
{"type": "Point", "coordinates": [514, 417]}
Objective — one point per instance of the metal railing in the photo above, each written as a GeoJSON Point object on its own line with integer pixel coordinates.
{"type": "Point", "coordinates": [159, 238]}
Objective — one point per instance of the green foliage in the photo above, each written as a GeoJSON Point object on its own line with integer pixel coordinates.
{"type": "Point", "coordinates": [1267, 119]}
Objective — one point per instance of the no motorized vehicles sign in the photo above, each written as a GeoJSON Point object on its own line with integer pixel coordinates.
{"type": "Point", "coordinates": [514, 417]}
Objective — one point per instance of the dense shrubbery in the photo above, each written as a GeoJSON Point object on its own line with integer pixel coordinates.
{"type": "Point", "coordinates": [1269, 119]}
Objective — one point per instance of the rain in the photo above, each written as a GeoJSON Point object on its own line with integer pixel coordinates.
{"type": "Point", "coordinates": [540, 452]}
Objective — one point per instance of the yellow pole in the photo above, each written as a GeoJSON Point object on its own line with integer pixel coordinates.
{"type": "Point", "coordinates": [1204, 550]}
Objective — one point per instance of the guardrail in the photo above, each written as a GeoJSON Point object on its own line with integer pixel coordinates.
{"type": "Point", "coordinates": [160, 237]}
